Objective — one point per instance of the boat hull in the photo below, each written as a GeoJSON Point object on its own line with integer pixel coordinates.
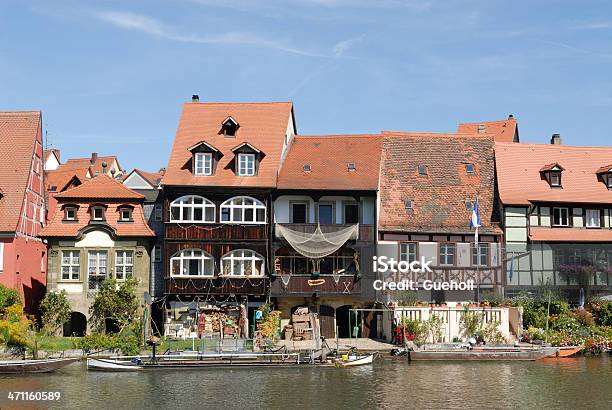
{"type": "Point", "coordinates": [470, 355]}
{"type": "Point", "coordinates": [357, 361]}
{"type": "Point", "coordinates": [34, 366]}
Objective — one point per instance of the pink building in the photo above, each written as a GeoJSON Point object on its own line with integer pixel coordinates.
{"type": "Point", "coordinates": [23, 256]}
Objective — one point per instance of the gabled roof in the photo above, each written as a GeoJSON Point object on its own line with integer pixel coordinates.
{"type": "Point", "coordinates": [439, 198]}
{"type": "Point", "coordinates": [86, 163]}
{"type": "Point", "coordinates": [520, 181]}
{"type": "Point", "coordinates": [18, 134]}
{"type": "Point", "coordinates": [552, 167]}
{"type": "Point", "coordinates": [100, 187]}
{"type": "Point", "coordinates": [151, 178]}
{"type": "Point", "coordinates": [199, 144]}
{"type": "Point", "coordinates": [62, 179]}
{"type": "Point", "coordinates": [245, 144]}
{"type": "Point", "coordinates": [48, 152]}
{"type": "Point", "coordinates": [262, 124]}
{"type": "Point", "coordinates": [328, 158]}
{"type": "Point", "coordinates": [605, 170]}
{"type": "Point", "coordinates": [502, 131]}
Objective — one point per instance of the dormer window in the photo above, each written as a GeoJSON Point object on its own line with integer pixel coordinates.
{"type": "Point", "coordinates": [422, 170]}
{"type": "Point", "coordinates": [307, 168]}
{"type": "Point", "coordinates": [606, 175]}
{"type": "Point", "coordinates": [469, 168]}
{"type": "Point", "coordinates": [125, 214]}
{"type": "Point", "coordinates": [229, 127]}
{"type": "Point", "coordinates": [97, 213]}
{"type": "Point", "coordinates": [552, 174]}
{"type": "Point", "coordinates": [246, 165]}
{"type": "Point", "coordinates": [70, 213]}
{"type": "Point", "coordinates": [351, 167]}
{"type": "Point", "coordinates": [203, 163]}
{"type": "Point", "coordinates": [408, 204]}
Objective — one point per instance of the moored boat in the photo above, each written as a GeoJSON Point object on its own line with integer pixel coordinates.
{"type": "Point", "coordinates": [34, 366]}
{"type": "Point", "coordinates": [355, 360]}
{"type": "Point", "coordinates": [484, 354]}
{"type": "Point", "coordinates": [568, 351]}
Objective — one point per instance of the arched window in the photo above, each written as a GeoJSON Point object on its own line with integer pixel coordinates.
{"type": "Point", "coordinates": [243, 209]}
{"type": "Point", "coordinates": [242, 262]}
{"type": "Point", "coordinates": [192, 262]}
{"type": "Point", "coordinates": [192, 208]}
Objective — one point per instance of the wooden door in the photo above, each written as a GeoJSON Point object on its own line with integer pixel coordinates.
{"type": "Point", "coordinates": [327, 321]}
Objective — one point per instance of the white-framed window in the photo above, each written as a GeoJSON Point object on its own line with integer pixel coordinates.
{"type": "Point", "coordinates": [125, 214]}
{"type": "Point", "coordinates": [71, 268]}
{"type": "Point", "coordinates": [560, 217]}
{"type": "Point", "coordinates": [242, 262]}
{"type": "Point", "coordinates": [1, 256]}
{"type": "Point", "coordinates": [246, 165]}
{"type": "Point", "coordinates": [480, 254]}
{"type": "Point", "coordinates": [192, 208]}
{"type": "Point", "coordinates": [243, 209]}
{"type": "Point", "coordinates": [157, 210]}
{"type": "Point", "coordinates": [203, 163]}
{"type": "Point", "coordinates": [192, 262]}
{"type": "Point", "coordinates": [97, 268]}
{"type": "Point", "coordinates": [447, 254]}
{"type": "Point", "coordinates": [555, 178]}
{"type": "Point", "coordinates": [593, 218]}
{"type": "Point", "coordinates": [408, 251]}
{"type": "Point", "coordinates": [97, 213]}
{"type": "Point", "coordinates": [124, 264]}
{"type": "Point", "coordinates": [70, 214]}
{"type": "Point", "coordinates": [157, 253]}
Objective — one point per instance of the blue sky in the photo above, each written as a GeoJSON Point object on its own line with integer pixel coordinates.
{"type": "Point", "coordinates": [110, 76]}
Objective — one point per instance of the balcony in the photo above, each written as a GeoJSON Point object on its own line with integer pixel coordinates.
{"type": "Point", "coordinates": [255, 286]}
{"type": "Point", "coordinates": [364, 233]}
{"type": "Point", "coordinates": [217, 231]}
{"type": "Point", "coordinates": [306, 285]}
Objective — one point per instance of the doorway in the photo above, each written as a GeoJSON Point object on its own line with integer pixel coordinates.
{"type": "Point", "coordinates": [76, 325]}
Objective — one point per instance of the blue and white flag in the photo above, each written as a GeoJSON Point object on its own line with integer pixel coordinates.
{"type": "Point", "coordinates": [475, 221]}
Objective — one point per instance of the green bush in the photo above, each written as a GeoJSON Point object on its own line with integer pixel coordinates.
{"type": "Point", "coordinates": [129, 345]}
{"type": "Point", "coordinates": [8, 297]}
{"type": "Point", "coordinates": [602, 311]}
{"type": "Point", "coordinates": [55, 311]}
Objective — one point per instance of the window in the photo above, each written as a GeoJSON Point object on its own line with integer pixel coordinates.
{"type": "Point", "coordinates": [326, 213]}
{"type": "Point", "coordinates": [560, 217]}
{"type": "Point", "coordinates": [408, 203]}
{"type": "Point", "coordinates": [125, 215]}
{"type": "Point", "coordinates": [157, 253]}
{"type": "Point", "coordinates": [192, 208]}
{"type": "Point", "coordinates": [555, 179]}
{"type": "Point", "coordinates": [203, 163]}
{"type": "Point", "coordinates": [468, 205]}
{"type": "Point", "coordinates": [192, 262]}
{"type": "Point", "coordinates": [422, 169]}
{"type": "Point", "coordinates": [229, 127]}
{"type": "Point", "coordinates": [351, 167]}
{"type": "Point", "coordinates": [71, 268]}
{"type": "Point", "coordinates": [124, 264]}
{"type": "Point", "coordinates": [242, 262]}
{"type": "Point", "coordinates": [469, 168]}
{"type": "Point", "coordinates": [70, 214]}
{"type": "Point", "coordinates": [243, 209]}
{"type": "Point", "coordinates": [1, 256]}
{"type": "Point", "coordinates": [307, 168]}
{"type": "Point", "coordinates": [447, 254]}
{"type": "Point", "coordinates": [609, 182]}
{"type": "Point", "coordinates": [593, 218]}
{"type": "Point", "coordinates": [351, 213]}
{"type": "Point", "coordinates": [158, 212]}
{"type": "Point", "coordinates": [246, 165]}
{"type": "Point", "coordinates": [96, 268]}
{"type": "Point", "coordinates": [299, 212]}
{"type": "Point", "coordinates": [97, 213]}
{"type": "Point", "coordinates": [480, 254]}
{"type": "Point", "coordinates": [408, 251]}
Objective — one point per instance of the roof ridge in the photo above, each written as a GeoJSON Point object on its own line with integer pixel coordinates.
{"type": "Point", "coordinates": [553, 146]}
{"type": "Point", "coordinates": [338, 135]}
{"type": "Point", "coordinates": [244, 103]}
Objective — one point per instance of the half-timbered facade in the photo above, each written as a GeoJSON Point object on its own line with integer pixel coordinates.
{"type": "Point", "coordinates": [324, 229]}
{"type": "Point", "coordinates": [218, 208]}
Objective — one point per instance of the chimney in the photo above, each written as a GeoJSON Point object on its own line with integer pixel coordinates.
{"type": "Point", "coordinates": [555, 139]}
{"type": "Point", "coordinates": [482, 128]}
{"type": "Point", "coordinates": [162, 170]}
{"type": "Point", "coordinates": [94, 157]}
{"type": "Point", "coordinates": [195, 98]}
{"type": "Point", "coordinates": [104, 165]}
{"type": "Point", "coordinates": [510, 117]}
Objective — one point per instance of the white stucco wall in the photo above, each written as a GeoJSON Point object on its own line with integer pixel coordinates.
{"type": "Point", "coordinates": [95, 239]}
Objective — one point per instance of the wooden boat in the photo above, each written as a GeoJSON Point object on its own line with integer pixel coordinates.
{"type": "Point", "coordinates": [34, 366]}
{"type": "Point", "coordinates": [113, 365]}
{"type": "Point", "coordinates": [568, 351]}
{"type": "Point", "coordinates": [355, 360]}
{"type": "Point", "coordinates": [483, 354]}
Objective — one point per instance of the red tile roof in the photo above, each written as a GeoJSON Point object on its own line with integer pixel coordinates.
{"type": "Point", "coordinates": [18, 134]}
{"type": "Point", "coordinates": [570, 235]}
{"type": "Point", "coordinates": [503, 131]}
{"type": "Point", "coordinates": [48, 152]}
{"type": "Point", "coordinates": [85, 163]}
{"type": "Point", "coordinates": [100, 187]}
{"type": "Point", "coordinates": [520, 181]}
{"type": "Point", "coordinates": [328, 157]}
{"type": "Point", "coordinates": [152, 178]}
{"type": "Point", "coordinates": [438, 198]}
{"type": "Point", "coordinates": [60, 179]}
{"type": "Point", "coordinates": [550, 167]}
{"type": "Point", "coordinates": [264, 125]}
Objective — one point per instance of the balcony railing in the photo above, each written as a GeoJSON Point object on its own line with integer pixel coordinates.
{"type": "Point", "coordinates": [216, 231]}
{"type": "Point", "coordinates": [218, 286]}
{"type": "Point", "coordinates": [307, 285]}
{"type": "Point", "coordinates": [364, 233]}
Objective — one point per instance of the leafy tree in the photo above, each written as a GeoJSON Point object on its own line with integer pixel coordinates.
{"type": "Point", "coordinates": [8, 297]}
{"type": "Point", "coordinates": [117, 303]}
{"type": "Point", "coordinates": [55, 311]}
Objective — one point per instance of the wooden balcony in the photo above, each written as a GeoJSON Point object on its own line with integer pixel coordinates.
{"type": "Point", "coordinates": [217, 231]}
{"type": "Point", "coordinates": [365, 232]}
{"type": "Point", "coordinates": [256, 286]}
{"type": "Point", "coordinates": [306, 285]}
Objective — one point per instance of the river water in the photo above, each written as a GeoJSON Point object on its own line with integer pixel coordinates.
{"type": "Point", "coordinates": [387, 384]}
